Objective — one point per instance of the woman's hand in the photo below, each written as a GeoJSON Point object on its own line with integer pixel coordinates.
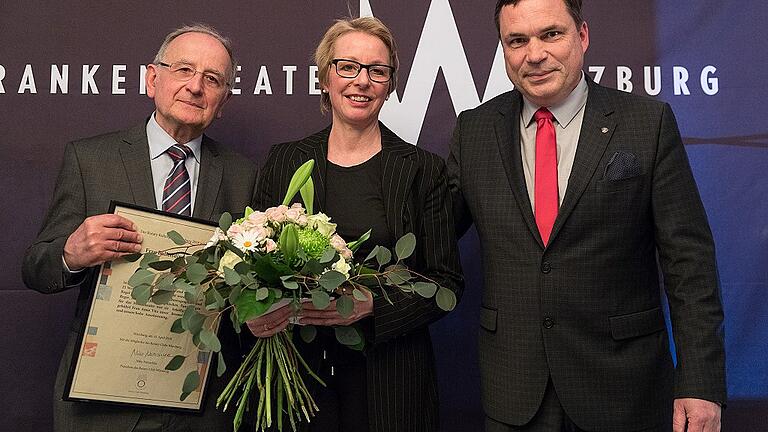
{"type": "Point", "coordinates": [330, 316]}
{"type": "Point", "coordinates": [272, 323]}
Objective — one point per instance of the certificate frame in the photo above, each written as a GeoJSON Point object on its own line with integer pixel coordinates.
{"type": "Point", "coordinates": [123, 347]}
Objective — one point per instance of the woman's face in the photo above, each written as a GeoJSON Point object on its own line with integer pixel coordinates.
{"type": "Point", "coordinates": [357, 101]}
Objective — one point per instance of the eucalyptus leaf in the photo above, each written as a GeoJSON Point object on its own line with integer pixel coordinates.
{"type": "Point", "coordinates": [176, 238]}
{"type": "Point", "coordinates": [221, 366]}
{"type": "Point", "coordinates": [398, 277]}
{"type": "Point", "coordinates": [190, 298]}
{"type": "Point", "coordinates": [262, 293]}
{"type": "Point", "coordinates": [192, 320]}
{"type": "Point", "coordinates": [383, 256]}
{"type": "Point", "coordinates": [191, 382]}
{"type": "Point", "coordinates": [345, 306]}
{"type": "Point", "coordinates": [425, 289]}
{"type": "Point", "coordinates": [405, 246]}
{"type": "Point", "coordinates": [359, 295]}
{"type": "Point", "coordinates": [290, 284]}
{"type": "Point", "coordinates": [196, 273]}
{"type": "Point", "coordinates": [210, 340]}
{"type": "Point", "coordinates": [231, 277]}
{"type": "Point", "coordinates": [220, 302]}
{"type": "Point", "coordinates": [191, 259]}
{"type": "Point", "coordinates": [132, 257]}
{"type": "Point", "coordinates": [320, 299]}
{"type": "Point", "coordinates": [179, 264]}
{"type": "Point", "coordinates": [184, 286]}
{"type": "Point", "coordinates": [176, 362]}
{"type": "Point", "coordinates": [161, 265]}
{"type": "Point", "coordinates": [331, 280]}
{"type": "Point", "coordinates": [141, 277]}
{"type": "Point", "coordinates": [329, 254]}
{"type": "Point", "coordinates": [302, 174]}
{"type": "Point", "coordinates": [184, 395]}
{"type": "Point", "coordinates": [141, 293]}
{"type": "Point", "coordinates": [347, 335]}
{"type": "Point", "coordinates": [225, 221]}
{"type": "Point", "coordinates": [162, 297]}
{"type": "Point", "coordinates": [308, 333]}
{"type": "Point", "coordinates": [372, 254]}
{"type": "Point", "coordinates": [177, 327]}
{"type": "Point", "coordinates": [148, 259]}
{"type": "Point", "coordinates": [446, 299]}
{"type": "Point", "coordinates": [165, 282]}
{"type": "Point", "coordinates": [234, 294]}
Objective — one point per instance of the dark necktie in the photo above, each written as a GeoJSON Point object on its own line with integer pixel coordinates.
{"type": "Point", "coordinates": [545, 182]}
{"type": "Point", "coordinates": [177, 192]}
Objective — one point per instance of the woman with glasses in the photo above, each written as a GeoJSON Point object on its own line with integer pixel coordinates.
{"type": "Point", "coordinates": [366, 177]}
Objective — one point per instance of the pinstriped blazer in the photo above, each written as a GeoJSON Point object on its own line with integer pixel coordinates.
{"type": "Point", "coordinates": [402, 388]}
{"type": "Point", "coordinates": [586, 310]}
{"type": "Point", "coordinates": [116, 166]}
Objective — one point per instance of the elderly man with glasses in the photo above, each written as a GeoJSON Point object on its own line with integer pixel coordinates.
{"type": "Point", "coordinates": [166, 163]}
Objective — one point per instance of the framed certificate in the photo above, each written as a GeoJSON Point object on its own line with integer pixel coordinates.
{"type": "Point", "coordinates": [125, 346]}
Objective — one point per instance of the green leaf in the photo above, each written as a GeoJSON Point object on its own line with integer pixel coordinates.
{"type": "Point", "coordinates": [405, 246]}
{"type": "Point", "coordinates": [248, 307]}
{"type": "Point", "coordinates": [132, 257]}
{"type": "Point", "coordinates": [225, 221]}
{"type": "Point", "coordinates": [359, 295]}
{"type": "Point", "coordinates": [177, 327]}
{"type": "Point", "coordinates": [176, 362]}
{"type": "Point", "coordinates": [179, 264]}
{"type": "Point", "coordinates": [308, 333]}
{"type": "Point", "coordinates": [220, 302]}
{"type": "Point", "coordinates": [234, 294]}
{"type": "Point", "coordinates": [383, 256]}
{"type": "Point", "coordinates": [191, 382]}
{"type": "Point", "coordinates": [176, 238]}
{"type": "Point", "coordinates": [184, 395]}
{"type": "Point", "coordinates": [231, 277]}
{"type": "Point", "coordinates": [210, 340]}
{"type": "Point", "coordinates": [308, 194]}
{"type": "Point", "coordinates": [331, 280]}
{"type": "Point", "coordinates": [289, 242]}
{"type": "Point", "coordinates": [291, 285]}
{"type": "Point", "coordinates": [161, 265]}
{"type": "Point", "coordinates": [345, 306]}
{"type": "Point", "coordinates": [141, 293]}
{"type": "Point", "coordinates": [191, 259]}
{"type": "Point", "coordinates": [425, 289]}
{"type": "Point", "coordinates": [446, 299]}
{"type": "Point", "coordinates": [320, 299]}
{"type": "Point", "coordinates": [355, 245]}
{"type": "Point", "coordinates": [184, 286]}
{"type": "Point", "coordinates": [328, 255]}
{"type": "Point", "coordinates": [191, 320]}
{"type": "Point", "coordinates": [162, 297]}
{"type": "Point", "coordinates": [221, 367]}
{"type": "Point", "coordinates": [141, 277]}
{"type": "Point", "coordinates": [372, 254]}
{"type": "Point", "coordinates": [347, 335]}
{"type": "Point", "coordinates": [196, 273]}
{"type": "Point", "coordinates": [148, 259]}
{"type": "Point", "coordinates": [262, 293]}
{"type": "Point", "coordinates": [302, 174]}
{"type": "Point", "coordinates": [398, 277]}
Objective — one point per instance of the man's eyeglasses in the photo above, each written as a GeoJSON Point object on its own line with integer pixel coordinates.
{"type": "Point", "coordinates": [185, 72]}
{"type": "Point", "coordinates": [351, 69]}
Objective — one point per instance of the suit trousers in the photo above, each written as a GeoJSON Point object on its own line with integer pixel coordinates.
{"type": "Point", "coordinates": [551, 417]}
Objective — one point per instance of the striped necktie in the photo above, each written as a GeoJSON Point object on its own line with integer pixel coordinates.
{"type": "Point", "coordinates": [177, 192]}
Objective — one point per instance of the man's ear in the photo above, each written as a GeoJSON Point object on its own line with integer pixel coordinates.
{"type": "Point", "coordinates": [149, 79]}
{"type": "Point", "coordinates": [224, 102]}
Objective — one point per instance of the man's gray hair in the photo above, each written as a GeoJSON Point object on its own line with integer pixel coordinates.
{"type": "Point", "coordinates": [205, 29]}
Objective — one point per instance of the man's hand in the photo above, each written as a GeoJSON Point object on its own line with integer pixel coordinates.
{"type": "Point", "coordinates": [99, 239]}
{"type": "Point", "coordinates": [330, 316]}
{"type": "Point", "coordinates": [697, 414]}
{"type": "Point", "coordinates": [270, 324]}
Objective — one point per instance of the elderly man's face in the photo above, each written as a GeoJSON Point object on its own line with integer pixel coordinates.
{"type": "Point", "coordinates": [543, 49]}
{"type": "Point", "coordinates": [185, 108]}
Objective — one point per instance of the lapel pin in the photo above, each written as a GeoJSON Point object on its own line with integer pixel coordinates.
{"type": "Point", "coordinates": [604, 130]}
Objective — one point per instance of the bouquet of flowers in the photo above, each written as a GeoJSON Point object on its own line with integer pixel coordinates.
{"type": "Point", "coordinates": [280, 257]}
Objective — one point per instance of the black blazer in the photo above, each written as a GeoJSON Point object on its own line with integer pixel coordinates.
{"type": "Point", "coordinates": [586, 311]}
{"type": "Point", "coordinates": [402, 389]}
{"type": "Point", "coordinates": [116, 166]}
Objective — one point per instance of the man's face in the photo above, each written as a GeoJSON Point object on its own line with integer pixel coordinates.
{"type": "Point", "coordinates": [185, 108]}
{"type": "Point", "coordinates": [543, 49]}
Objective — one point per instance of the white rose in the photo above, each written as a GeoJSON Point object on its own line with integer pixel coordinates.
{"type": "Point", "coordinates": [230, 259]}
{"type": "Point", "coordinates": [342, 267]}
{"type": "Point", "coordinates": [322, 224]}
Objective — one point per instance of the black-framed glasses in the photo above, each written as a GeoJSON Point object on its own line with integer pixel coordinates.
{"type": "Point", "coordinates": [351, 69]}
{"type": "Point", "coordinates": [184, 72]}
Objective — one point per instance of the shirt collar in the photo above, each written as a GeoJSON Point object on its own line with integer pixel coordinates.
{"type": "Point", "coordinates": [563, 112]}
{"type": "Point", "coordinates": [160, 141]}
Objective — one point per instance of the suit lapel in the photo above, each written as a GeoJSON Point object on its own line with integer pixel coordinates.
{"type": "Point", "coordinates": [507, 126]}
{"type": "Point", "coordinates": [135, 156]}
{"type": "Point", "coordinates": [208, 180]}
{"type": "Point", "coordinates": [596, 131]}
{"type": "Point", "coordinates": [398, 173]}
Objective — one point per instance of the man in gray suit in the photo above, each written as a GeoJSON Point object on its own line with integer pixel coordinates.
{"type": "Point", "coordinates": [190, 81]}
{"type": "Point", "coordinates": [582, 197]}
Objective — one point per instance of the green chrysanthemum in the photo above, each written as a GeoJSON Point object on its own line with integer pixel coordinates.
{"type": "Point", "coordinates": [312, 242]}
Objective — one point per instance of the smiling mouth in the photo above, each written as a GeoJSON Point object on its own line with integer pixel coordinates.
{"type": "Point", "coordinates": [357, 98]}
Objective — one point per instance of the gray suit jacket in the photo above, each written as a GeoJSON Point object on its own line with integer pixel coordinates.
{"type": "Point", "coordinates": [116, 166]}
{"type": "Point", "coordinates": [401, 379]}
{"type": "Point", "coordinates": [586, 311]}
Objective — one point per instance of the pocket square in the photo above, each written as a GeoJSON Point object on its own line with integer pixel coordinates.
{"type": "Point", "coordinates": [622, 165]}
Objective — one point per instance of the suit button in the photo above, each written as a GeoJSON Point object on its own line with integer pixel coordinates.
{"type": "Point", "coordinates": [546, 267]}
{"type": "Point", "coordinates": [548, 323]}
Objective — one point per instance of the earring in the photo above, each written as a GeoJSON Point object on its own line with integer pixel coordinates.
{"type": "Point", "coordinates": [324, 91]}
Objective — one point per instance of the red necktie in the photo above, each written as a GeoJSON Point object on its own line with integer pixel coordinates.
{"type": "Point", "coordinates": [176, 194]}
{"type": "Point", "coordinates": [545, 181]}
